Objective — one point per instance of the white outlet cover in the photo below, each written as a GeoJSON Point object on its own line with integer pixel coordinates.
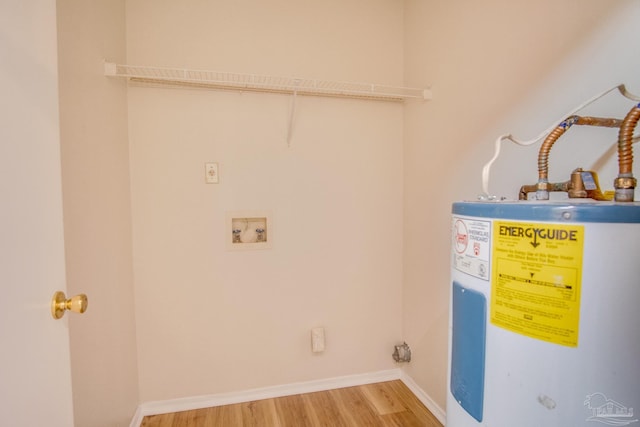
{"type": "Point", "coordinates": [211, 173]}
{"type": "Point", "coordinates": [317, 340]}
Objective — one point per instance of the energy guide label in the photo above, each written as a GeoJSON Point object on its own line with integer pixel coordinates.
{"type": "Point", "coordinates": [472, 247]}
{"type": "Point", "coordinates": [535, 285]}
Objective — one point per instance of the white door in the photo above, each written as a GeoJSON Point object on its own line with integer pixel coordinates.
{"type": "Point", "coordinates": [35, 378]}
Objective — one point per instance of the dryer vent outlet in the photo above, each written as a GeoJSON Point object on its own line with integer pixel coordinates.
{"type": "Point", "coordinates": [402, 353]}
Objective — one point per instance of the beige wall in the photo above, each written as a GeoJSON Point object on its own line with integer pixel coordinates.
{"type": "Point", "coordinates": [360, 220]}
{"type": "Point", "coordinates": [97, 218]}
{"type": "Point", "coordinates": [496, 67]}
{"type": "Point", "coordinates": [211, 320]}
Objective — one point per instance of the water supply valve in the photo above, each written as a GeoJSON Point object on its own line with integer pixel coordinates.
{"type": "Point", "coordinates": [581, 185]}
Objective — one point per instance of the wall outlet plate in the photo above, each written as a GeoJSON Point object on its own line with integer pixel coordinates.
{"type": "Point", "coordinates": [317, 340]}
{"type": "Point", "coordinates": [211, 173]}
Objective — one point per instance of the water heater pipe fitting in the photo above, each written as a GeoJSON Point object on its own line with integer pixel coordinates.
{"type": "Point", "coordinates": [625, 183]}
{"type": "Point", "coordinates": [508, 137]}
{"type": "Point", "coordinates": [542, 192]}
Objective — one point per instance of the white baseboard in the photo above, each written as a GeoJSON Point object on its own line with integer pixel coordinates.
{"type": "Point", "coordinates": [208, 401]}
{"type": "Point", "coordinates": [136, 421]}
{"type": "Point", "coordinates": [426, 400]}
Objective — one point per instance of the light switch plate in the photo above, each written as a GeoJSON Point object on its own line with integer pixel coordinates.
{"type": "Point", "coordinates": [211, 173]}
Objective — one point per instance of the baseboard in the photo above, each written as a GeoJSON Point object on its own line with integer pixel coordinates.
{"type": "Point", "coordinates": [136, 421]}
{"type": "Point", "coordinates": [426, 400]}
{"type": "Point", "coordinates": [208, 401]}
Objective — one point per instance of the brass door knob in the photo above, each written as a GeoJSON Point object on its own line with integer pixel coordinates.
{"type": "Point", "coordinates": [60, 303]}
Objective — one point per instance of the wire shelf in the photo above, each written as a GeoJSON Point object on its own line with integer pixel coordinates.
{"type": "Point", "coordinates": [262, 83]}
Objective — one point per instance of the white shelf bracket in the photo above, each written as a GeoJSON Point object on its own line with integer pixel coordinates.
{"type": "Point", "coordinates": [292, 114]}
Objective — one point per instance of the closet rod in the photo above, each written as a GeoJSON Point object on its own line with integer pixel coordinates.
{"type": "Point", "coordinates": [260, 83]}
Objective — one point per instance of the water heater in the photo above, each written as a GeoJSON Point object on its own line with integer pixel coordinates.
{"type": "Point", "coordinates": [545, 302]}
{"type": "Point", "coordinates": [545, 314]}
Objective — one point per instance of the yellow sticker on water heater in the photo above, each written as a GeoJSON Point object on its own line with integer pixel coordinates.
{"type": "Point", "coordinates": [536, 278]}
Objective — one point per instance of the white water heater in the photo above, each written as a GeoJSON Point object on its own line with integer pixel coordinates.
{"type": "Point", "coordinates": [545, 314]}
{"type": "Point", "coordinates": [545, 297]}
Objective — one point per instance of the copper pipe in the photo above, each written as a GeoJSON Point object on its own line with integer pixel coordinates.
{"type": "Point", "coordinates": [545, 148]}
{"type": "Point", "coordinates": [543, 155]}
{"type": "Point", "coordinates": [625, 183]}
{"type": "Point", "coordinates": [552, 186]}
{"type": "Point", "coordinates": [599, 121]}
{"type": "Point", "coordinates": [625, 139]}
{"type": "Point", "coordinates": [525, 190]}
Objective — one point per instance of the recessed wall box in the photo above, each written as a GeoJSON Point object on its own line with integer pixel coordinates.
{"type": "Point", "coordinates": [248, 230]}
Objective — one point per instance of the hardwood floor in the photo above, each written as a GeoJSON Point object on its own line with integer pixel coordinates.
{"type": "Point", "coordinates": [386, 404]}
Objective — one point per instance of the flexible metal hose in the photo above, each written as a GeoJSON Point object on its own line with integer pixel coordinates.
{"type": "Point", "coordinates": [545, 148]}
{"type": "Point", "coordinates": [625, 141]}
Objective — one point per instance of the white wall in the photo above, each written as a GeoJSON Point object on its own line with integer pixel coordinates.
{"type": "Point", "coordinates": [496, 67]}
{"type": "Point", "coordinates": [211, 320]}
{"type": "Point", "coordinates": [97, 212]}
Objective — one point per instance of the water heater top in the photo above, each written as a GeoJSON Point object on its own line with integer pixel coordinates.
{"type": "Point", "coordinates": [561, 211]}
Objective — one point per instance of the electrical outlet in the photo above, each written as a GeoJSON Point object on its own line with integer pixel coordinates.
{"type": "Point", "coordinates": [211, 173]}
{"type": "Point", "coordinates": [317, 340]}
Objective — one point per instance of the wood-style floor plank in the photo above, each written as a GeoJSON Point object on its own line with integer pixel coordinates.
{"type": "Point", "coordinates": [325, 409]}
{"type": "Point", "coordinates": [427, 419]}
{"type": "Point", "coordinates": [260, 413]}
{"type": "Point", "coordinates": [383, 398]}
{"type": "Point", "coordinates": [183, 419]}
{"type": "Point", "coordinates": [357, 410]}
{"type": "Point", "coordinates": [292, 411]}
{"type": "Point", "coordinates": [386, 404]}
{"type": "Point", "coordinates": [162, 420]}
{"type": "Point", "coordinates": [401, 419]}
{"type": "Point", "coordinates": [223, 416]}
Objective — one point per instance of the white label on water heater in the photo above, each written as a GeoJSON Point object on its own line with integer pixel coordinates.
{"type": "Point", "coordinates": [472, 247]}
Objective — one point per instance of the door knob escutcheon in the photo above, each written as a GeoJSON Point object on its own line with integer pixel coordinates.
{"type": "Point", "coordinates": [60, 303]}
